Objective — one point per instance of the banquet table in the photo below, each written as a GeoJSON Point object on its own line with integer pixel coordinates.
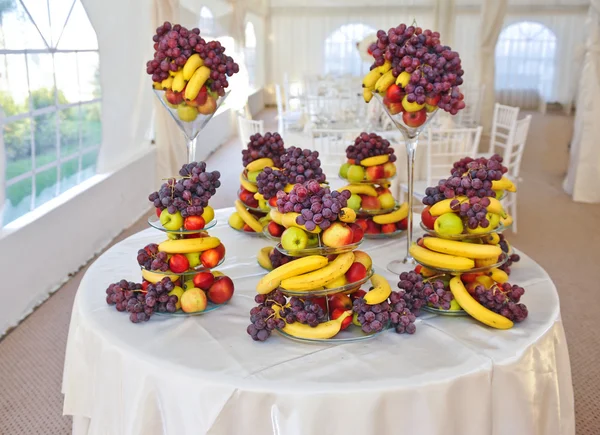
{"type": "Point", "coordinates": [204, 375]}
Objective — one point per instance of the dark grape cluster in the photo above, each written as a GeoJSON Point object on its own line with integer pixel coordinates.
{"type": "Point", "coordinates": [411, 285]}
{"type": "Point", "coordinates": [435, 70]}
{"type": "Point", "coordinates": [279, 259]}
{"type": "Point", "coordinates": [402, 319]}
{"type": "Point", "coordinates": [301, 165]}
{"type": "Point", "coordinates": [317, 205]}
{"type": "Point", "coordinates": [503, 299]}
{"type": "Point", "coordinates": [262, 317]}
{"type": "Point", "coordinates": [188, 194]}
{"type": "Point", "coordinates": [270, 145]}
{"type": "Point", "coordinates": [372, 318]}
{"type": "Point", "coordinates": [128, 296]}
{"type": "Point", "coordinates": [270, 181]}
{"type": "Point", "coordinates": [304, 311]}
{"type": "Point", "coordinates": [513, 258]}
{"type": "Point", "coordinates": [369, 145]}
{"type": "Point", "coordinates": [173, 45]}
{"type": "Point", "coordinates": [158, 298]}
{"type": "Point", "coordinates": [149, 258]}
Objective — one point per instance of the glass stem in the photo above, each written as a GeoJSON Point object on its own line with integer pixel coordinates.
{"type": "Point", "coordinates": [411, 148]}
{"type": "Point", "coordinates": [191, 146]}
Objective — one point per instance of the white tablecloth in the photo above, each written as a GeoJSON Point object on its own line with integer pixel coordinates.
{"type": "Point", "coordinates": [204, 375]}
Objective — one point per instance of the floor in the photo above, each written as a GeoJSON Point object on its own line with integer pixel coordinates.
{"type": "Point", "coordinates": [561, 235]}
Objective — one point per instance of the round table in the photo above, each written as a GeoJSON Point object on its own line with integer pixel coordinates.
{"type": "Point", "coordinates": [204, 375]}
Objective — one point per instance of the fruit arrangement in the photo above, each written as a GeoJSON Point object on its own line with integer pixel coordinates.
{"type": "Point", "coordinates": [415, 74]}
{"type": "Point", "coordinates": [191, 71]}
{"type": "Point", "coordinates": [370, 159]}
{"type": "Point", "coordinates": [270, 258]}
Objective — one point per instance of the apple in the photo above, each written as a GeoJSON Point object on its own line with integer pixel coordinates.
{"type": "Point", "coordinates": [362, 223]}
{"type": "Point", "coordinates": [370, 203]}
{"type": "Point", "coordinates": [177, 291]}
{"type": "Point", "coordinates": [294, 238]}
{"type": "Point", "coordinates": [388, 228]}
{"type": "Point", "coordinates": [252, 175]}
{"type": "Point", "coordinates": [338, 234]}
{"type": "Point", "coordinates": [431, 103]}
{"type": "Point", "coordinates": [194, 223]}
{"type": "Point", "coordinates": [174, 98]}
{"type": "Point", "coordinates": [221, 291]}
{"type": "Point", "coordinates": [469, 277]}
{"type": "Point", "coordinates": [313, 240]}
{"type": "Point", "coordinates": [320, 301]}
{"type": "Point", "coordinates": [337, 313]}
{"type": "Point", "coordinates": [394, 94]}
{"type": "Point", "coordinates": [448, 224]}
{"type": "Point", "coordinates": [454, 305]}
{"type": "Point", "coordinates": [221, 251]}
{"type": "Point", "coordinates": [248, 198]}
{"type": "Point", "coordinates": [354, 202]}
{"type": "Point", "coordinates": [210, 258]}
{"type": "Point", "coordinates": [178, 263]}
{"type": "Point", "coordinates": [236, 221]}
{"type": "Point", "coordinates": [403, 79]}
{"type": "Point", "coordinates": [203, 280]}
{"type": "Point", "coordinates": [403, 224]}
{"type": "Point", "coordinates": [363, 258]}
{"type": "Point", "coordinates": [273, 201]}
{"type": "Point", "coordinates": [375, 173]}
{"type": "Point", "coordinates": [344, 170]}
{"type": "Point", "coordinates": [372, 227]}
{"type": "Point", "coordinates": [275, 229]}
{"type": "Point", "coordinates": [427, 219]}
{"type": "Point", "coordinates": [187, 113]}
{"type": "Point", "coordinates": [357, 272]}
{"type": "Point", "coordinates": [357, 294]}
{"type": "Point", "coordinates": [209, 107]}
{"type": "Point", "coordinates": [193, 258]}
{"type": "Point", "coordinates": [411, 107]}
{"type": "Point", "coordinates": [357, 232]}
{"type": "Point", "coordinates": [208, 214]}
{"type": "Point", "coordinates": [415, 119]}
{"type": "Point", "coordinates": [355, 173]}
{"type": "Point", "coordinates": [395, 108]}
{"type": "Point", "coordinates": [200, 98]}
{"type": "Point", "coordinates": [339, 301]}
{"type": "Point", "coordinates": [188, 284]}
{"type": "Point", "coordinates": [158, 212]}
{"type": "Point", "coordinates": [387, 201]}
{"type": "Point", "coordinates": [193, 300]}
{"type": "Point", "coordinates": [145, 285]}
{"type": "Point", "coordinates": [389, 170]}
{"type": "Point", "coordinates": [471, 286]}
{"type": "Point", "coordinates": [247, 228]}
{"type": "Point", "coordinates": [170, 221]}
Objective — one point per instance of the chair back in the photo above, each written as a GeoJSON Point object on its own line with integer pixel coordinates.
{"type": "Point", "coordinates": [514, 154]}
{"type": "Point", "coordinates": [503, 128]}
{"type": "Point", "coordinates": [331, 145]}
{"type": "Point", "coordinates": [249, 127]}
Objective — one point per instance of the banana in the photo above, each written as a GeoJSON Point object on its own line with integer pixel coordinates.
{"type": "Point", "coordinates": [498, 275]}
{"type": "Point", "coordinates": [506, 221]}
{"type": "Point", "coordinates": [154, 277]}
{"type": "Point", "coordinates": [259, 197]}
{"type": "Point", "coordinates": [393, 217]}
{"type": "Point", "coordinates": [375, 160]}
{"type": "Point", "coordinates": [263, 258]}
{"type": "Point", "coordinates": [371, 78]}
{"type": "Point", "coordinates": [248, 185]}
{"type": "Point", "coordinates": [504, 184]}
{"type": "Point", "coordinates": [157, 86]}
{"type": "Point", "coordinates": [166, 83]}
{"type": "Point", "coordinates": [196, 82]}
{"type": "Point", "coordinates": [289, 220]}
{"type": "Point", "coordinates": [403, 79]}
{"type": "Point", "coordinates": [475, 309]}
{"type": "Point", "coordinates": [496, 207]}
{"type": "Point", "coordinates": [485, 262]}
{"type": "Point", "coordinates": [323, 331]}
{"type": "Point", "coordinates": [485, 280]}
{"type": "Point", "coordinates": [347, 215]}
{"type": "Point", "coordinates": [439, 208]}
{"type": "Point", "coordinates": [276, 216]}
{"type": "Point", "coordinates": [247, 217]}
{"type": "Point", "coordinates": [187, 246]}
{"type": "Point", "coordinates": [444, 261]}
{"type": "Point", "coordinates": [461, 249]}
{"type": "Point", "coordinates": [387, 65]}
{"type": "Point", "coordinates": [320, 277]}
{"type": "Point", "coordinates": [492, 239]}
{"type": "Point", "coordinates": [385, 81]}
{"type": "Point", "coordinates": [360, 189]}
{"type": "Point", "coordinates": [426, 272]}
{"type": "Point", "coordinates": [273, 279]}
{"type": "Point", "coordinates": [367, 95]}
{"type": "Point", "coordinates": [381, 290]}
{"type": "Point", "coordinates": [288, 188]}
{"type": "Point", "coordinates": [191, 65]}
{"type": "Point", "coordinates": [340, 281]}
{"type": "Point", "coordinates": [178, 82]}
{"type": "Point", "coordinates": [260, 164]}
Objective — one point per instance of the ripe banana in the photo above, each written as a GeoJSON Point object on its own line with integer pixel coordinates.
{"type": "Point", "coordinates": [289, 220]}
{"type": "Point", "coordinates": [381, 290]}
{"type": "Point", "coordinates": [360, 189]}
{"type": "Point", "coordinates": [444, 261]}
{"type": "Point", "coordinates": [371, 78]}
{"type": "Point", "coordinates": [196, 82]}
{"type": "Point", "coordinates": [347, 215]}
{"type": "Point", "coordinates": [504, 184]}
{"type": "Point", "coordinates": [393, 217]}
{"type": "Point", "coordinates": [485, 280]}
{"type": "Point", "coordinates": [323, 331]}
{"type": "Point", "coordinates": [387, 65]}
{"type": "Point", "coordinates": [385, 81]}
{"type": "Point", "coordinates": [492, 239]}
{"type": "Point", "coordinates": [263, 258]}
{"type": "Point", "coordinates": [498, 275]}
{"type": "Point", "coordinates": [320, 277]}
{"type": "Point", "coordinates": [475, 309]}
{"type": "Point", "coordinates": [276, 216]}
{"type": "Point", "coordinates": [367, 95]}
{"type": "Point", "coordinates": [461, 249]}
{"type": "Point", "coordinates": [442, 207]}
{"type": "Point", "coordinates": [375, 160]}
{"type": "Point", "coordinates": [154, 277]}
{"type": "Point", "coordinates": [485, 262]}
{"type": "Point", "coordinates": [496, 207]}
{"type": "Point", "coordinates": [166, 83]}
{"type": "Point", "coordinates": [259, 196]}
{"type": "Point", "coordinates": [157, 86]}
{"type": "Point", "coordinates": [188, 246]}
{"type": "Point", "coordinates": [260, 164]}
{"type": "Point", "coordinates": [288, 188]}
{"type": "Point", "coordinates": [273, 279]}
{"type": "Point", "coordinates": [248, 185]}
{"type": "Point", "coordinates": [247, 217]}
{"type": "Point", "coordinates": [191, 65]}
{"type": "Point", "coordinates": [506, 221]}
{"type": "Point", "coordinates": [178, 82]}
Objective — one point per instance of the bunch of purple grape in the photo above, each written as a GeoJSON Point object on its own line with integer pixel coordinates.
{"type": "Point", "coordinates": [317, 205]}
{"type": "Point", "coordinates": [221, 66]}
{"type": "Point", "coordinates": [369, 145]}
{"type": "Point", "coordinates": [150, 259]}
{"type": "Point", "coordinates": [127, 296]}
{"type": "Point", "coordinates": [270, 181]}
{"type": "Point", "coordinates": [411, 286]}
{"type": "Point", "coordinates": [435, 70]}
{"type": "Point", "coordinates": [303, 311]}
{"type": "Point", "coordinates": [262, 317]}
{"type": "Point", "coordinates": [512, 258]}
{"type": "Point", "coordinates": [437, 294]}
{"type": "Point", "coordinates": [373, 318]}
{"type": "Point", "coordinates": [279, 259]}
{"type": "Point", "coordinates": [402, 319]}
{"type": "Point", "coordinates": [158, 297]}
{"type": "Point", "coordinates": [301, 165]}
{"type": "Point", "coordinates": [268, 146]}
{"type": "Point", "coordinates": [189, 194]}
{"type": "Point", "coordinates": [503, 299]}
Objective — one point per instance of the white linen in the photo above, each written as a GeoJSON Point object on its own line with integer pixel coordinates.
{"type": "Point", "coordinates": [204, 375]}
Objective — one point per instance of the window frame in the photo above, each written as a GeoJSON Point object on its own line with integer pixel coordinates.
{"type": "Point", "coordinates": [329, 46]}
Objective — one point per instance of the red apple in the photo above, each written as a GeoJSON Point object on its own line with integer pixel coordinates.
{"type": "Point", "coordinates": [415, 119]}
{"type": "Point", "coordinates": [395, 108]}
{"type": "Point", "coordinates": [178, 263]}
{"type": "Point", "coordinates": [375, 173]}
{"type": "Point", "coordinates": [158, 212]}
{"type": "Point", "coordinates": [356, 272]}
{"type": "Point", "coordinates": [337, 313]}
{"type": "Point", "coordinates": [420, 242]}
{"type": "Point", "coordinates": [221, 291]}
{"type": "Point", "coordinates": [320, 301]}
{"type": "Point", "coordinates": [381, 190]}
{"type": "Point", "coordinates": [362, 223]}
{"type": "Point", "coordinates": [145, 285]}
{"type": "Point", "coordinates": [200, 98]}
{"type": "Point", "coordinates": [403, 224]}
{"type": "Point", "coordinates": [394, 94]}
{"type": "Point", "coordinates": [358, 294]}
{"type": "Point", "coordinates": [191, 223]}
{"type": "Point", "coordinates": [418, 269]}
{"type": "Point", "coordinates": [221, 251]}
{"type": "Point", "coordinates": [248, 198]}
{"type": "Point", "coordinates": [470, 286]}
{"type": "Point", "coordinates": [210, 258]}
{"type": "Point", "coordinates": [388, 228]}
{"type": "Point", "coordinates": [372, 227]}
{"type": "Point", "coordinates": [431, 103]}
{"type": "Point", "coordinates": [273, 201]}
{"type": "Point", "coordinates": [370, 203]}
{"type": "Point", "coordinates": [175, 98]}
{"type": "Point", "coordinates": [209, 107]}
{"type": "Point", "coordinates": [352, 161]}
{"type": "Point", "coordinates": [338, 234]}
{"type": "Point", "coordinates": [339, 301]}
{"type": "Point", "coordinates": [203, 280]}
{"type": "Point", "coordinates": [427, 219]}
{"type": "Point", "coordinates": [389, 170]}
{"type": "Point", "coordinates": [193, 236]}
{"type": "Point", "coordinates": [248, 228]}
{"type": "Point", "coordinates": [357, 232]}
{"type": "Point", "coordinates": [469, 277]}
{"type": "Point", "coordinates": [275, 229]}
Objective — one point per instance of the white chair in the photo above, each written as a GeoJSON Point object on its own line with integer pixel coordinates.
{"type": "Point", "coordinates": [470, 116]}
{"type": "Point", "coordinates": [249, 127]}
{"type": "Point", "coordinates": [503, 129]}
{"type": "Point", "coordinates": [285, 120]}
{"type": "Point", "coordinates": [444, 147]}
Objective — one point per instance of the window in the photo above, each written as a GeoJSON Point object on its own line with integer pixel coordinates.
{"type": "Point", "coordinates": [525, 59]}
{"type": "Point", "coordinates": [50, 98]}
{"type": "Point", "coordinates": [341, 54]}
{"type": "Point", "coordinates": [250, 52]}
{"type": "Point", "coordinates": [207, 21]}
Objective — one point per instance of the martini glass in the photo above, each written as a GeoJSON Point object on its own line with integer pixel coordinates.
{"type": "Point", "coordinates": [411, 138]}
{"type": "Point", "coordinates": [192, 128]}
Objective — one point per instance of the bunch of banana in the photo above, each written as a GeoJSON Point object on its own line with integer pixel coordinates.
{"type": "Point", "coordinates": [347, 215]}
{"type": "Point", "coordinates": [301, 266]}
{"type": "Point", "coordinates": [248, 217]}
{"type": "Point", "coordinates": [188, 246]}
{"type": "Point", "coordinates": [442, 261]}
{"type": "Point", "coordinates": [504, 184]}
{"type": "Point", "coordinates": [439, 208]}
{"type": "Point", "coordinates": [380, 292]}
{"type": "Point", "coordinates": [462, 249]}
{"type": "Point", "coordinates": [377, 79]}
{"type": "Point", "coordinates": [322, 331]}
{"type": "Point", "coordinates": [154, 277]}
{"type": "Point", "coordinates": [289, 220]}
{"type": "Point", "coordinates": [250, 187]}
{"type": "Point", "coordinates": [391, 218]}
{"type": "Point", "coordinates": [263, 258]}
{"type": "Point", "coordinates": [260, 164]}
{"type": "Point", "coordinates": [321, 277]}
{"type": "Point", "coordinates": [360, 189]}
{"type": "Point", "coordinates": [375, 160]}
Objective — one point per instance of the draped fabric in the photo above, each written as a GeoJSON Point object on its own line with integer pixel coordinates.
{"type": "Point", "coordinates": [445, 17]}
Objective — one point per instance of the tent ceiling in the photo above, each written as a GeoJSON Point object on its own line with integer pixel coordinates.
{"type": "Point", "coordinates": [418, 3]}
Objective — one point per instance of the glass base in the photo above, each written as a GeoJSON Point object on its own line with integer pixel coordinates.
{"type": "Point", "coordinates": [398, 266]}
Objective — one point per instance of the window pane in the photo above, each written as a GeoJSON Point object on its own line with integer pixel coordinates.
{"type": "Point", "coordinates": [18, 200]}
{"type": "Point", "coordinates": [79, 33]}
{"type": "Point", "coordinates": [45, 186]}
{"type": "Point", "coordinates": [67, 80]}
{"type": "Point", "coordinates": [45, 138]}
{"type": "Point", "coordinates": [91, 129]}
{"type": "Point", "coordinates": [17, 141]}
{"type": "Point", "coordinates": [341, 55]}
{"type": "Point", "coordinates": [41, 81]}
{"type": "Point", "coordinates": [13, 84]}
{"type": "Point", "coordinates": [69, 132]}
{"type": "Point", "coordinates": [89, 75]}
{"type": "Point", "coordinates": [59, 10]}
{"type": "Point", "coordinates": [68, 174]}
{"type": "Point", "coordinates": [88, 164]}
{"type": "Point", "coordinates": [18, 32]}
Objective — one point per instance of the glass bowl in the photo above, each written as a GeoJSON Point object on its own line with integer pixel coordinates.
{"type": "Point", "coordinates": [349, 335]}
{"type": "Point", "coordinates": [368, 213]}
{"type": "Point", "coordinates": [268, 235]}
{"type": "Point", "coordinates": [154, 222]}
{"type": "Point", "coordinates": [380, 236]}
{"type": "Point", "coordinates": [465, 236]}
{"type": "Point", "coordinates": [188, 272]}
{"type": "Point", "coordinates": [180, 313]}
{"type": "Point", "coordinates": [318, 250]}
{"type": "Point", "coordinates": [328, 291]}
{"type": "Point", "coordinates": [379, 181]}
{"type": "Point", "coordinates": [449, 313]}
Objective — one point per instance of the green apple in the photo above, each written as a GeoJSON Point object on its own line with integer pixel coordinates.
{"type": "Point", "coordinates": [354, 202]}
{"type": "Point", "coordinates": [187, 113]}
{"type": "Point", "coordinates": [454, 305]}
{"type": "Point", "coordinates": [344, 170]}
{"type": "Point", "coordinates": [236, 221]}
{"type": "Point", "coordinates": [170, 221]}
{"type": "Point", "coordinates": [177, 291]}
{"type": "Point", "coordinates": [294, 238]}
{"type": "Point", "coordinates": [448, 224]}
{"type": "Point", "coordinates": [313, 240]}
{"type": "Point", "coordinates": [252, 176]}
{"type": "Point", "coordinates": [387, 201]}
{"type": "Point", "coordinates": [355, 173]}
{"type": "Point", "coordinates": [193, 258]}
{"type": "Point", "coordinates": [188, 284]}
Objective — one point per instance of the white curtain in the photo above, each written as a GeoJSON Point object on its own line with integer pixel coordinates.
{"type": "Point", "coordinates": [445, 18]}
{"type": "Point", "coordinates": [583, 177]}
